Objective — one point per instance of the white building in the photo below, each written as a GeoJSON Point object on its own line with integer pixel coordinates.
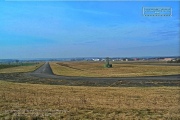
{"type": "Point", "coordinates": [96, 59]}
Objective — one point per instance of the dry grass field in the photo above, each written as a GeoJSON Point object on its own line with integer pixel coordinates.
{"type": "Point", "coordinates": [21, 68]}
{"type": "Point", "coordinates": [33, 101]}
{"type": "Point", "coordinates": [97, 69]}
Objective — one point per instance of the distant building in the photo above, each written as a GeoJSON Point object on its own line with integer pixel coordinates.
{"type": "Point", "coordinates": [135, 59]}
{"type": "Point", "coordinates": [96, 59]}
{"type": "Point", "coordinates": [161, 59]}
{"type": "Point", "coordinates": [103, 59]}
{"type": "Point", "coordinates": [168, 59]}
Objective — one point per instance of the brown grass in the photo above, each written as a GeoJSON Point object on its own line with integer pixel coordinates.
{"type": "Point", "coordinates": [67, 102]}
{"type": "Point", "coordinates": [97, 69]}
{"type": "Point", "coordinates": [21, 68]}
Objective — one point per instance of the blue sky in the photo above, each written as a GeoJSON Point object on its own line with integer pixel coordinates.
{"type": "Point", "coordinates": [86, 29]}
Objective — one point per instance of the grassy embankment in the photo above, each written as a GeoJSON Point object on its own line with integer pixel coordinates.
{"type": "Point", "coordinates": [19, 100]}
{"type": "Point", "coordinates": [19, 68]}
{"type": "Point", "coordinates": [96, 69]}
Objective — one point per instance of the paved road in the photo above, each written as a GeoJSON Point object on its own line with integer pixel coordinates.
{"type": "Point", "coordinates": [45, 69]}
{"type": "Point", "coordinates": [44, 75]}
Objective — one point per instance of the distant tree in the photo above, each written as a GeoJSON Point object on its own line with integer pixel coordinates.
{"type": "Point", "coordinates": [174, 61]}
{"type": "Point", "coordinates": [178, 60]}
{"type": "Point", "coordinates": [107, 64]}
{"type": "Point", "coordinates": [17, 61]}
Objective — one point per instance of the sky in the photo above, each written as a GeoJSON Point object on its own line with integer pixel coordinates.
{"type": "Point", "coordinates": [57, 29]}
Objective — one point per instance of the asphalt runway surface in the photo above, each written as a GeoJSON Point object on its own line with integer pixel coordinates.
{"type": "Point", "coordinates": [44, 75]}
{"type": "Point", "coordinates": [45, 71]}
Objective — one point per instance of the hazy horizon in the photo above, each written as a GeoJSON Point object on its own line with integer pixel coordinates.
{"type": "Point", "coordinates": [86, 29]}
